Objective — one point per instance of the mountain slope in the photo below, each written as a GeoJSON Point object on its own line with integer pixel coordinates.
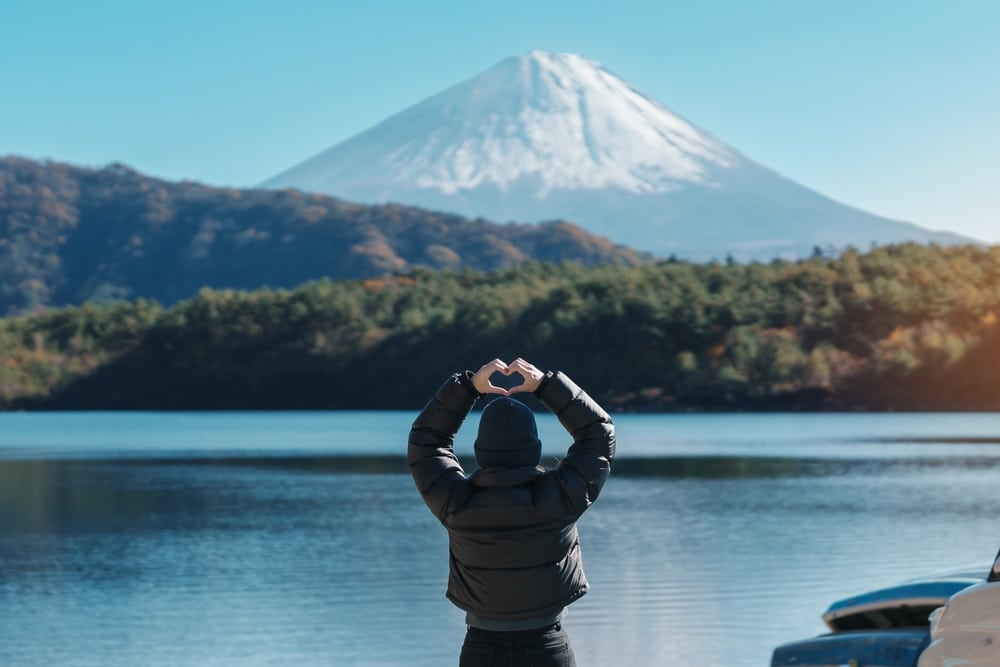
{"type": "Point", "coordinates": [546, 136]}
{"type": "Point", "coordinates": [69, 234]}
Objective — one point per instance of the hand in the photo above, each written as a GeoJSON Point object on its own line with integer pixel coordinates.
{"type": "Point", "coordinates": [532, 376]}
{"type": "Point", "coordinates": [481, 379]}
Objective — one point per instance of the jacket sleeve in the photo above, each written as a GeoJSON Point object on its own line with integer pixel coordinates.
{"type": "Point", "coordinates": [430, 452]}
{"type": "Point", "coordinates": [582, 474]}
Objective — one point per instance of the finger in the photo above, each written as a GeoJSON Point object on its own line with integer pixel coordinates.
{"type": "Point", "coordinates": [493, 389]}
{"type": "Point", "coordinates": [515, 366]}
{"type": "Point", "coordinates": [488, 369]}
{"type": "Point", "coordinates": [523, 367]}
{"type": "Point", "coordinates": [491, 366]}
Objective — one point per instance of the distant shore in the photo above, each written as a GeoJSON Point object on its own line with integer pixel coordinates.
{"type": "Point", "coordinates": [899, 328]}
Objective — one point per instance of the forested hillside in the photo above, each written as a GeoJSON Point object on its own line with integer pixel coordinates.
{"type": "Point", "coordinates": [905, 327]}
{"type": "Point", "coordinates": [70, 235]}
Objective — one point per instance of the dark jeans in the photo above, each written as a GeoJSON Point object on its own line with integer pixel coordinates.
{"type": "Point", "coordinates": [542, 647]}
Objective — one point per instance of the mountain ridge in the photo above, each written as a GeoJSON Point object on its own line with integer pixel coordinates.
{"type": "Point", "coordinates": [71, 234]}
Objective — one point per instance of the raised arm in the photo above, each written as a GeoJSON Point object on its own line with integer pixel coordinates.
{"type": "Point", "coordinates": [430, 450]}
{"type": "Point", "coordinates": [587, 465]}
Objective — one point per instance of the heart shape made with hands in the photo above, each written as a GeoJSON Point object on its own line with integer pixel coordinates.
{"type": "Point", "coordinates": [508, 379]}
{"type": "Point", "coordinates": [499, 377]}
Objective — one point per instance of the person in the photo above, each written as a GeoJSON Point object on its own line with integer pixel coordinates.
{"type": "Point", "coordinates": [514, 550]}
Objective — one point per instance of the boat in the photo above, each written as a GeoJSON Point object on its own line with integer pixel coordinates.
{"type": "Point", "coordinates": [887, 627]}
{"type": "Point", "coordinates": [966, 631]}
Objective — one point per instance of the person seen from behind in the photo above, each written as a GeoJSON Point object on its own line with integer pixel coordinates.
{"type": "Point", "coordinates": [514, 551]}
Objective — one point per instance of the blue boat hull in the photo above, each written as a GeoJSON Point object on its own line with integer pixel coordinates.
{"type": "Point", "coordinates": [868, 648]}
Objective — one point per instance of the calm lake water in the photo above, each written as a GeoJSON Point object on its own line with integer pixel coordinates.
{"type": "Point", "coordinates": [298, 539]}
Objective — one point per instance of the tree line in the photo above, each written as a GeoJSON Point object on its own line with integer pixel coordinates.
{"type": "Point", "coordinates": [905, 327]}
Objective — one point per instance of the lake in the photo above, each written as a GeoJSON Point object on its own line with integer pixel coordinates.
{"type": "Point", "coordinates": [298, 538]}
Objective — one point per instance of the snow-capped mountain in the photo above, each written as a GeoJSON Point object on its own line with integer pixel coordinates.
{"type": "Point", "coordinates": [546, 136]}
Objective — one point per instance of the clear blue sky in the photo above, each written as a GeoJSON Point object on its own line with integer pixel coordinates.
{"type": "Point", "coordinates": [891, 106]}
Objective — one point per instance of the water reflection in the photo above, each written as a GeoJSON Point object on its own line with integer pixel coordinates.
{"type": "Point", "coordinates": [227, 558]}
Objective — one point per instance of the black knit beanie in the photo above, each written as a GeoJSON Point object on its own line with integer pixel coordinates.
{"type": "Point", "coordinates": [507, 436]}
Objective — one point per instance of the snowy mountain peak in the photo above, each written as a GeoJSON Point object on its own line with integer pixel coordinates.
{"type": "Point", "coordinates": [546, 121]}
{"type": "Point", "coordinates": [547, 135]}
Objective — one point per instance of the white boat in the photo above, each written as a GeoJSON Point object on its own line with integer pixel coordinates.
{"type": "Point", "coordinates": [965, 632]}
{"type": "Point", "coordinates": [887, 627]}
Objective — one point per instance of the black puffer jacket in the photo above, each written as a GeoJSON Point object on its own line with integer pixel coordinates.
{"type": "Point", "coordinates": [514, 549]}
